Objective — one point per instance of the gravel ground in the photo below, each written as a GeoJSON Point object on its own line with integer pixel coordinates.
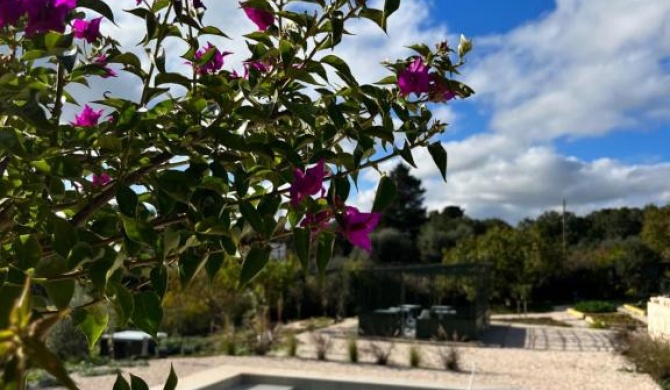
{"type": "Point", "coordinates": [504, 367]}
{"type": "Point", "coordinates": [553, 368]}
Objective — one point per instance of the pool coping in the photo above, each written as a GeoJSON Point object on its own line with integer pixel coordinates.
{"type": "Point", "coordinates": [214, 378]}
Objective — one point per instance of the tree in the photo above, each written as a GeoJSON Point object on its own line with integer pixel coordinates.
{"type": "Point", "coordinates": [656, 229]}
{"type": "Point", "coordinates": [207, 166]}
{"type": "Point", "coordinates": [407, 213]}
{"type": "Point", "coordinates": [392, 246]}
{"type": "Point", "coordinates": [442, 231]}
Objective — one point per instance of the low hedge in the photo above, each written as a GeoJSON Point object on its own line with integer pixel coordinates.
{"type": "Point", "coordinates": [595, 307]}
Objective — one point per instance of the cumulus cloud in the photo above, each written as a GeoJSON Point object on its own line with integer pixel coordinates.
{"type": "Point", "coordinates": [585, 69]}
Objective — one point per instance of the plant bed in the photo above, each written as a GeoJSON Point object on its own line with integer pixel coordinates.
{"type": "Point", "coordinates": [544, 321]}
{"type": "Point", "coordinates": [595, 307]}
{"type": "Point", "coordinates": [614, 320]}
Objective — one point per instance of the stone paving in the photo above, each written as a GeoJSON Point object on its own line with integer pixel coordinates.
{"type": "Point", "coordinates": [548, 338]}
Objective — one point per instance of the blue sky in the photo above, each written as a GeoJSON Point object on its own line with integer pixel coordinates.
{"type": "Point", "coordinates": [572, 98]}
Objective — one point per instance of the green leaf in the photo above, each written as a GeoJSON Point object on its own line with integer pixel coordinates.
{"type": "Point", "coordinates": [301, 244]}
{"type": "Point", "coordinates": [48, 361]}
{"type": "Point", "coordinates": [252, 216]}
{"type": "Point", "coordinates": [98, 6]}
{"type": "Point", "coordinates": [254, 263]}
{"type": "Point", "coordinates": [324, 251]}
{"type": "Point", "coordinates": [127, 200]}
{"type": "Point", "coordinates": [121, 383]}
{"type": "Point", "coordinates": [172, 380]}
{"type": "Point", "coordinates": [60, 292]}
{"type": "Point", "coordinates": [212, 226]}
{"type": "Point", "coordinates": [390, 6]}
{"type": "Point", "coordinates": [65, 237]}
{"type": "Point", "coordinates": [173, 78]}
{"type": "Point", "coordinates": [171, 240]}
{"type": "Point", "coordinates": [213, 265]}
{"type": "Point", "coordinates": [439, 156]}
{"type": "Point", "coordinates": [190, 263]}
{"type": "Point", "coordinates": [374, 15]}
{"type": "Point", "coordinates": [343, 69]}
{"type": "Point", "coordinates": [137, 383]}
{"type": "Point", "coordinates": [92, 320]}
{"type": "Point", "coordinates": [211, 30]}
{"type": "Point", "coordinates": [138, 231]}
{"type": "Point", "coordinates": [28, 251]}
{"type": "Point", "coordinates": [386, 194]}
{"type": "Point", "coordinates": [148, 313]}
{"type": "Point", "coordinates": [158, 278]}
{"type": "Point", "coordinates": [406, 154]}
{"type": "Point", "coordinates": [124, 304]}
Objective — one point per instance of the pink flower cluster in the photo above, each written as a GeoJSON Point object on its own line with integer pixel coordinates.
{"type": "Point", "coordinates": [214, 64]}
{"type": "Point", "coordinates": [355, 225]}
{"type": "Point", "coordinates": [416, 79]}
{"type": "Point", "coordinates": [90, 31]}
{"type": "Point", "coordinates": [43, 15]}
{"type": "Point", "coordinates": [262, 19]}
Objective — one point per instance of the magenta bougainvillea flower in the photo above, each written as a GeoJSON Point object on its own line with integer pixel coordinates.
{"type": "Point", "coordinates": [261, 18]}
{"type": "Point", "coordinates": [357, 226]}
{"type": "Point", "coordinates": [101, 60]}
{"type": "Point", "coordinates": [88, 117]}
{"type": "Point", "coordinates": [47, 15]}
{"type": "Point", "coordinates": [215, 63]}
{"type": "Point", "coordinates": [439, 89]}
{"type": "Point", "coordinates": [10, 12]}
{"type": "Point", "coordinates": [316, 221]}
{"type": "Point", "coordinates": [414, 78]}
{"type": "Point", "coordinates": [307, 183]}
{"type": "Point", "coordinates": [87, 30]}
{"type": "Point", "coordinates": [100, 180]}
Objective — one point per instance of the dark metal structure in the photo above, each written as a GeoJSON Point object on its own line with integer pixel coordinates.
{"type": "Point", "coordinates": [424, 301]}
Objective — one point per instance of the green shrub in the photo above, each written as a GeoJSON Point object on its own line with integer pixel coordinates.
{"type": "Point", "coordinates": [450, 357]}
{"type": "Point", "coordinates": [229, 344]}
{"type": "Point", "coordinates": [67, 341]}
{"type": "Point", "coordinates": [322, 343]}
{"type": "Point", "coordinates": [414, 356]}
{"type": "Point", "coordinates": [381, 352]}
{"type": "Point", "coordinates": [292, 345]}
{"type": "Point", "coordinates": [595, 307]}
{"type": "Point", "coordinates": [352, 350]}
{"type": "Point", "coordinates": [646, 354]}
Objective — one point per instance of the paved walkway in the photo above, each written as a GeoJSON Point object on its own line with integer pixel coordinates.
{"type": "Point", "coordinates": [548, 338]}
{"type": "Point", "coordinates": [578, 337]}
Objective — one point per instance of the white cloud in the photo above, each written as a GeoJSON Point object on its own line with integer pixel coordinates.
{"type": "Point", "coordinates": [585, 69]}
{"type": "Point", "coordinates": [588, 68]}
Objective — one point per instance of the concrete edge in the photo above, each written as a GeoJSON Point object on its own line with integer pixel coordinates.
{"type": "Point", "coordinates": [576, 313]}
{"type": "Point", "coordinates": [215, 378]}
{"type": "Point", "coordinates": [635, 310]}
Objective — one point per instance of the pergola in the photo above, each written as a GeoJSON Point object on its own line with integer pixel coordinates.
{"type": "Point", "coordinates": [432, 301]}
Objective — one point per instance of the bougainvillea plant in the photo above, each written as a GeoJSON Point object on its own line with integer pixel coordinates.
{"type": "Point", "coordinates": [110, 200]}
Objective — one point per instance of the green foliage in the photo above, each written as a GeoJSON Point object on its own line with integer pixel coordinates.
{"type": "Point", "coordinates": [352, 350]}
{"type": "Point", "coordinates": [646, 354]}
{"type": "Point", "coordinates": [595, 307]}
{"type": "Point", "coordinates": [407, 213]}
{"type": "Point", "coordinates": [381, 351]}
{"type": "Point", "coordinates": [392, 246]}
{"type": "Point", "coordinates": [415, 356]}
{"type": "Point", "coordinates": [67, 341]}
{"type": "Point", "coordinates": [322, 344]}
{"type": "Point", "coordinates": [292, 343]}
{"type": "Point", "coordinates": [450, 357]}
{"type": "Point", "coordinates": [134, 205]}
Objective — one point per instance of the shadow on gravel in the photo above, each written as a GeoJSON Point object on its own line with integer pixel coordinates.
{"type": "Point", "coordinates": [502, 336]}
